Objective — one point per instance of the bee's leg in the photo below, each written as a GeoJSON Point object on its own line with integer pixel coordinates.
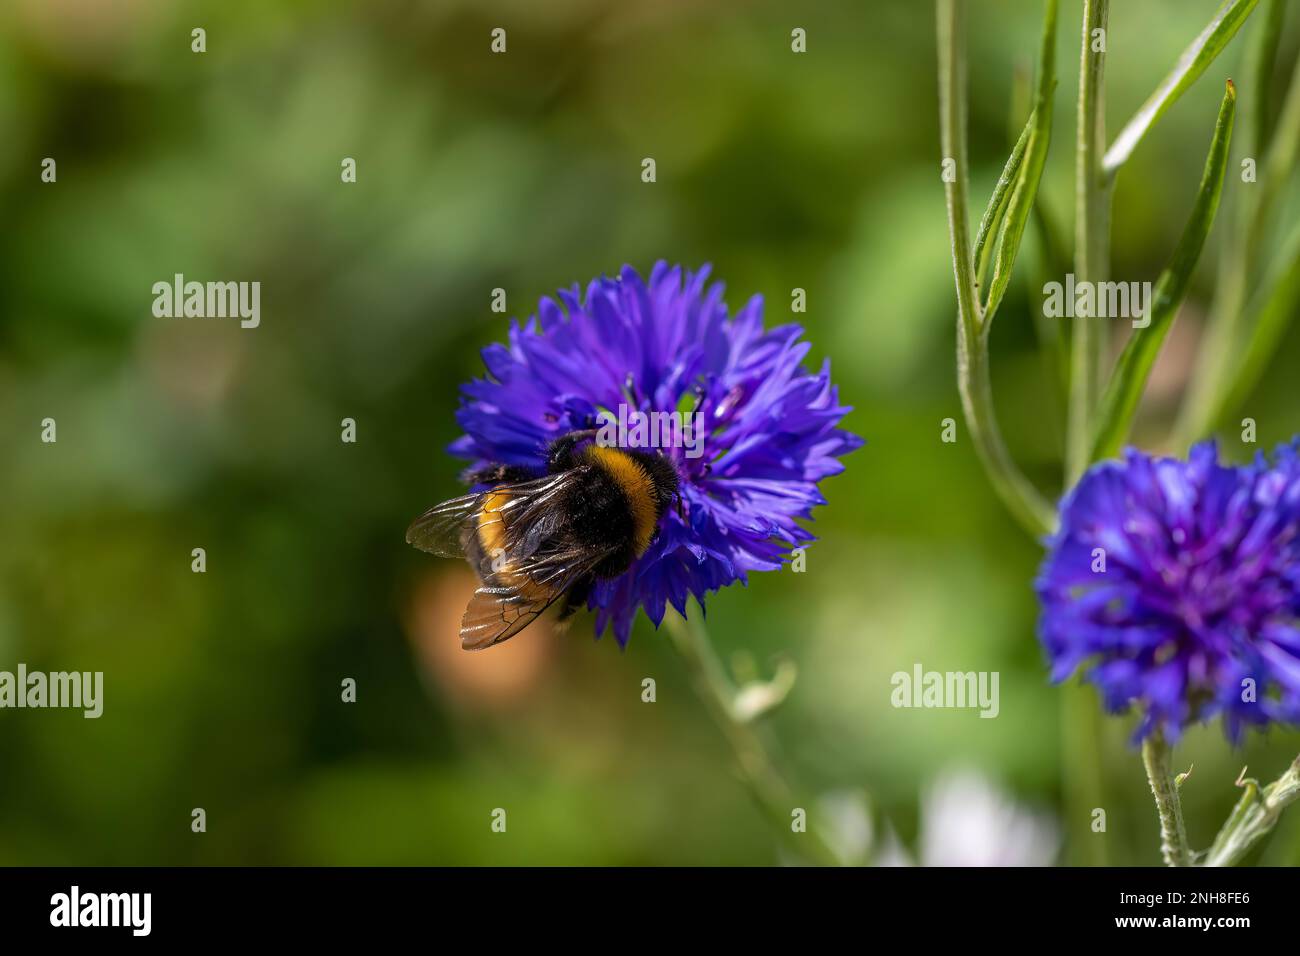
{"type": "Point", "coordinates": [575, 599]}
{"type": "Point", "coordinates": [559, 456]}
{"type": "Point", "coordinates": [498, 474]}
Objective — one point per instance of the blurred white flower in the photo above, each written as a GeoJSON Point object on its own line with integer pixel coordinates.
{"type": "Point", "coordinates": [968, 820]}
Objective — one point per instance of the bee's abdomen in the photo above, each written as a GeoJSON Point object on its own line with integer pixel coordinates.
{"type": "Point", "coordinates": [636, 492]}
{"type": "Point", "coordinates": [602, 520]}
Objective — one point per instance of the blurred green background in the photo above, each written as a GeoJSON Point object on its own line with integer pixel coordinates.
{"type": "Point", "coordinates": [519, 171]}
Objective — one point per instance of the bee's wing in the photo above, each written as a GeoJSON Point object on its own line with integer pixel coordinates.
{"type": "Point", "coordinates": [511, 600]}
{"type": "Point", "coordinates": [524, 564]}
{"type": "Point", "coordinates": [441, 530]}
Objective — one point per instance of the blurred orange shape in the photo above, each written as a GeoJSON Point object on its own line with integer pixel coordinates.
{"type": "Point", "coordinates": [491, 679]}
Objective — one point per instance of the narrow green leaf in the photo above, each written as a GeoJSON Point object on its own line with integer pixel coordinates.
{"type": "Point", "coordinates": [1186, 71]}
{"type": "Point", "coordinates": [1246, 252]}
{"type": "Point", "coordinates": [997, 206]}
{"type": "Point", "coordinates": [1120, 401]}
{"type": "Point", "coordinates": [1020, 205]}
{"type": "Point", "coordinates": [1284, 147]}
{"type": "Point", "coordinates": [1261, 57]}
{"type": "Point", "coordinates": [1278, 303]}
{"type": "Point", "coordinates": [1024, 188]}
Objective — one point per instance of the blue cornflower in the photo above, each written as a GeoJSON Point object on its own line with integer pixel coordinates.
{"type": "Point", "coordinates": [1178, 584]}
{"type": "Point", "coordinates": [668, 345]}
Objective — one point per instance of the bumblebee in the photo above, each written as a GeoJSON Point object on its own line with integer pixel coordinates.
{"type": "Point", "coordinates": [538, 539]}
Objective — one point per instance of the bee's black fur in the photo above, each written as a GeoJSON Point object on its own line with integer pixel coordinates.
{"type": "Point", "coordinates": [664, 475]}
{"type": "Point", "coordinates": [593, 513]}
{"type": "Point", "coordinates": [561, 454]}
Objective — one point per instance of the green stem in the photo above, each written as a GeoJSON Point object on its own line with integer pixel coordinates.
{"type": "Point", "coordinates": [1080, 715]}
{"type": "Point", "coordinates": [752, 750]}
{"type": "Point", "coordinates": [1173, 835]}
{"type": "Point", "coordinates": [1254, 816]}
{"type": "Point", "coordinates": [1017, 493]}
{"type": "Point", "coordinates": [952, 134]}
{"type": "Point", "coordinates": [1092, 195]}
{"type": "Point", "coordinates": [1083, 731]}
{"type": "Point", "coordinates": [1020, 497]}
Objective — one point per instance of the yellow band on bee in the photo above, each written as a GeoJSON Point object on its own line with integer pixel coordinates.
{"type": "Point", "coordinates": [637, 488]}
{"type": "Point", "coordinates": [492, 528]}
{"type": "Point", "coordinates": [492, 523]}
